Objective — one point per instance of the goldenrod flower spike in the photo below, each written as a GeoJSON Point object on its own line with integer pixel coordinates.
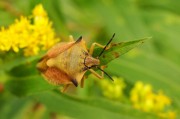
{"type": "Point", "coordinates": [31, 37]}
{"type": "Point", "coordinates": [143, 98]}
{"type": "Point", "coordinates": [113, 90]}
{"type": "Point", "coordinates": [39, 11]}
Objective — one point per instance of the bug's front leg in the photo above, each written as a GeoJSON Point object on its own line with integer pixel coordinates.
{"type": "Point", "coordinates": [102, 73]}
{"type": "Point", "coordinates": [103, 67]}
{"type": "Point", "coordinates": [82, 81]}
{"type": "Point", "coordinates": [71, 39]}
{"type": "Point", "coordinates": [96, 74]}
{"type": "Point", "coordinates": [91, 50]}
{"type": "Point", "coordinates": [93, 72]}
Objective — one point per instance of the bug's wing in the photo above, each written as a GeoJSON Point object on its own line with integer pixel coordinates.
{"type": "Point", "coordinates": [56, 76]}
{"type": "Point", "coordinates": [53, 52]}
{"type": "Point", "coordinates": [59, 48]}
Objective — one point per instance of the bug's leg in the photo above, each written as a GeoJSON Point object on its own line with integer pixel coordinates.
{"type": "Point", "coordinates": [82, 81]}
{"type": "Point", "coordinates": [92, 47]}
{"type": "Point", "coordinates": [71, 39]}
{"type": "Point", "coordinates": [103, 67]}
{"type": "Point", "coordinates": [102, 75]}
{"type": "Point", "coordinates": [65, 88]}
{"type": "Point", "coordinates": [96, 74]}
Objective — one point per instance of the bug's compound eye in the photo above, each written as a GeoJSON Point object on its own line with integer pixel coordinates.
{"type": "Point", "coordinates": [94, 66]}
{"type": "Point", "coordinates": [85, 68]}
{"type": "Point", "coordinates": [85, 53]}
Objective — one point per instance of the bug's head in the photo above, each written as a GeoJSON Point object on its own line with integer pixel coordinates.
{"type": "Point", "coordinates": [90, 62]}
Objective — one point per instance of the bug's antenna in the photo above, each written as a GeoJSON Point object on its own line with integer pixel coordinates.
{"type": "Point", "coordinates": [106, 45]}
{"type": "Point", "coordinates": [105, 73]}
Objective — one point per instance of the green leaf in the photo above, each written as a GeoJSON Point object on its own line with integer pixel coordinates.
{"type": "Point", "coordinates": [88, 108]}
{"type": "Point", "coordinates": [143, 67]}
{"type": "Point", "coordinates": [24, 70]}
{"type": "Point", "coordinates": [15, 60]}
{"type": "Point", "coordinates": [117, 50]}
{"type": "Point", "coordinates": [27, 85]}
{"type": "Point", "coordinates": [11, 106]}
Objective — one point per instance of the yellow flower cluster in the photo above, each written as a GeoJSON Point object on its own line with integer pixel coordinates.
{"type": "Point", "coordinates": [143, 98]}
{"type": "Point", "coordinates": [32, 34]}
{"type": "Point", "coordinates": [113, 90]}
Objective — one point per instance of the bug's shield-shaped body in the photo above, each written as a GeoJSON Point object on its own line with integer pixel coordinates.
{"type": "Point", "coordinates": [65, 63]}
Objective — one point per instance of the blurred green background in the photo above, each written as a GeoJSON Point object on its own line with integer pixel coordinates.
{"type": "Point", "coordinates": [156, 62]}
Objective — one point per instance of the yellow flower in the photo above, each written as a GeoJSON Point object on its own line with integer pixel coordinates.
{"type": "Point", "coordinates": [140, 92]}
{"type": "Point", "coordinates": [29, 36]}
{"type": "Point", "coordinates": [167, 115]}
{"type": "Point", "coordinates": [161, 101]}
{"type": "Point", "coordinates": [39, 11]}
{"type": "Point", "coordinates": [5, 42]}
{"type": "Point", "coordinates": [171, 115]}
{"type": "Point", "coordinates": [143, 98]}
{"type": "Point", "coordinates": [113, 90]}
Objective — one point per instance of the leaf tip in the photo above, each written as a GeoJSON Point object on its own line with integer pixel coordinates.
{"type": "Point", "coordinates": [147, 38]}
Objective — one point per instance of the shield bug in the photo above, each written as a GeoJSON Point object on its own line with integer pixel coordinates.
{"type": "Point", "coordinates": [67, 62]}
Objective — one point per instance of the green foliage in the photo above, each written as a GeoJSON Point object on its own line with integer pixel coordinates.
{"type": "Point", "coordinates": [116, 50]}
{"type": "Point", "coordinates": [156, 62]}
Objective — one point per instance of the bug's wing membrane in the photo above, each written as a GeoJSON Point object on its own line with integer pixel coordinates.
{"type": "Point", "coordinates": [55, 76]}
{"type": "Point", "coordinates": [74, 81]}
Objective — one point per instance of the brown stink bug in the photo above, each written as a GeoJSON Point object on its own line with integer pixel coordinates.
{"type": "Point", "coordinates": [66, 62]}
